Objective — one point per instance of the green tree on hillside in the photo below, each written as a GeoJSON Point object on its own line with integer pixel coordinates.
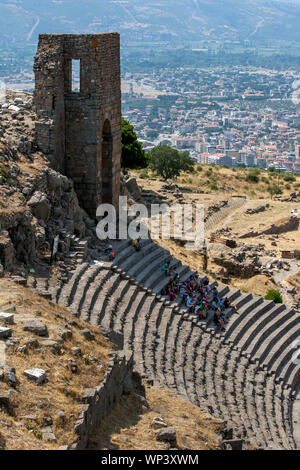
{"type": "Point", "coordinates": [168, 162]}
{"type": "Point", "coordinates": [133, 154]}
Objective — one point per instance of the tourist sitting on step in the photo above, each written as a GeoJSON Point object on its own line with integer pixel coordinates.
{"type": "Point", "coordinates": [199, 309]}
{"type": "Point", "coordinates": [218, 320]}
{"type": "Point", "coordinates": [189, 302]}
{"type": "Point", "coordinates": [215, 292]}
{"type": "Point", "coordinates": [166, 268]}
{"type": "Point", "coordinates": [138, 245]}
{"type": "Point", "coordinates": [172, 295]}
{"type": "Point", "coordinates": [173, 273]}
{"type": "Point", "coordinates": [227, 304]}
{"type": "Point", "coordinates": [108, 250]}
{"type": "Point", "coordinates": [183, 293]}
{"type": "Point", "coordinates": [110, 253]}
{"type": "Point", "coordinates": [214, 304]}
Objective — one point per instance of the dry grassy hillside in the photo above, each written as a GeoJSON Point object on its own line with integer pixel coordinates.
{"type": "Point", "coordinates": [130, 425]}
{"type": "Point", "coordinates": [32, 406]}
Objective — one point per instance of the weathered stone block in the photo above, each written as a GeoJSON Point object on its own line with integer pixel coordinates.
{"type": "Point", "coordinates": [5, 332]}
{"type": "Point", "coordinates": [7, 317]}
{"type": "Point", "coordinates": [37, 375]}
{"type": "Point", "coordinates": [36, 327]}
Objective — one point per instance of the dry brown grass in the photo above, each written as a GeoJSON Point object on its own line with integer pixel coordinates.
{"type": "Point", "coordinates": [294, 280]}
{"type": "Point", "coordinates": [257, 285]}
{"type": "Point", "coordinates": [128, 427]}
{"type": "Point", "coordinates": [63, 389]}
{"type": "Point", "coordinates": [231, 181]}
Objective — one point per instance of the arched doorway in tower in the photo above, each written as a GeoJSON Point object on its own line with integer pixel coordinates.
{"type": "Point", "coordinates": [106, 170]}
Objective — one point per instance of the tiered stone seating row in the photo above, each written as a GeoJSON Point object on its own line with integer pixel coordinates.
{"type": "Point", "coordinates": [261, 328]}
{"type": "Point", "coordinates": [176, 350]}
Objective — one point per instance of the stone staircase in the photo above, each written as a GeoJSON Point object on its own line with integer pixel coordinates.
{"type": "Point", "coordinates": [244, 376]}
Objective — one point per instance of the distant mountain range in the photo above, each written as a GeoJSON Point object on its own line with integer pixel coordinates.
{"type": "Point", "coordinates": [152, 20]}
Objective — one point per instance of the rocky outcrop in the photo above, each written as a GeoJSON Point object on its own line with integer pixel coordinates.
{"type": "Point", "coordinates": [37, 205]}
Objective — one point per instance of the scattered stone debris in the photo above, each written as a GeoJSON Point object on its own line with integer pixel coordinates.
{"type": "Point", "coordinates": [167, 435]}
{"type": "Point", "coordinates": [87, 334]}
{"type": "Point", "coordinates": [293, 197]}
{"type": "Point", "coordinates": [37, 375]}
{"type": "Point", "coordinates": [7, 317]}
{"type": "Point", "coordinates": [36, 327]}
{"type": "Point", "coordinates": [48, 434]}
{"type": "Point", "coordinates": [257, 209]}
{"type": "Point", "coordinates": [214, 209]}
{"type": "Point", "coordinates": [5, 401]}
{"type": "Point", "coordinates": [5, 332]}
{"type": "Point", "coordinates": [7, 374]}
{"type": "Point", "coordinates": [158, 423]}
{"type": "Point", "coordinates": [48, 343]}
{"type": "Point", "coordinates": [73, 365]}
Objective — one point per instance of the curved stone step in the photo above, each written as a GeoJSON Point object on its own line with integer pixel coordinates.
{"type": "Point", "coordinates": [242, 321]}
{"type": "Point", "coordinates": [283, 351]}
{"type": "Point", "coordinates": [259, 321]}
{"type": "Point", "coordinates": [144, 261]}
{"type": "Point", "coordinates": [83, 285]}
{"type": "Point", "coordinates": [272, 334]}
{"type": "Point", "coordinates": [68, 291]}
{"type": "Point", "coordinates": [91, 294]}
{"type": "Point", "coordinates": [135, 257]}
{"type": "Point", "coordinates": [122, 254]}
{"type": "Point", "coordinates": [98, 310]}
{"type": "Point", "coordinates": [143, 277]}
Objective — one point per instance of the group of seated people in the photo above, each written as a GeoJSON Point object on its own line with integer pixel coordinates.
{"type": "Point", "coordinates": [197, 295]}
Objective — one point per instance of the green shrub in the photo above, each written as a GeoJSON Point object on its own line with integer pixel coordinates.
{"type": "Point", "coordinates": [274, 190]}
{"type": "Point", "coordinates": [289, 178]}
{"type": "Point", "coordinates": [144, 174]}
{"type": "Point", "coordinates": [252, 177]}
{"type": "Point", "coordinates": [214, 187]}
{"type": "Point", "coordinates": [274, 295]}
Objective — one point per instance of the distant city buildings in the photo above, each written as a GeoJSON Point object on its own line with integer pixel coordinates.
{"type": "Point", "coordinates": [238, 117]}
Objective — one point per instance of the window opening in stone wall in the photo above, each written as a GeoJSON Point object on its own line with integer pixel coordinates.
{"type": "Point", "coordinates": [107, 149]}
{"type": "Point", "coordinates": [75, 76]}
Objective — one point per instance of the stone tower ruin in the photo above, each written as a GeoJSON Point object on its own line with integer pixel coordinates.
{"type": "Point", "coordinates": [80, 131]}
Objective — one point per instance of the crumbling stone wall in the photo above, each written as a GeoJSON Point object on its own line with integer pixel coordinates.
{"type": "Point", "coordinates": [99, 401]}
{"type": "Point", "coordinates": [81, 131]}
